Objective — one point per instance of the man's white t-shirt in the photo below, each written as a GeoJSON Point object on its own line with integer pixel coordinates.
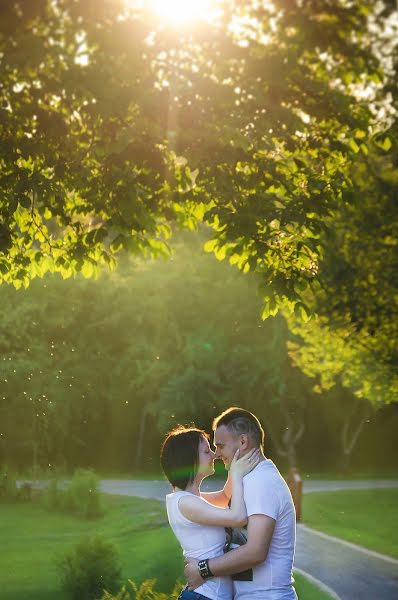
{"type": "Point", "coordinates": [266, 493]}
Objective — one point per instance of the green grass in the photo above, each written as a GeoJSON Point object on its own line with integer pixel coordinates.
{"type": "Point", "coordinates": [365, 517]}
{"type": "Point", "coordinates": [355, 475]}
{"type": "Point", "coordinates": [306, 590]}
{"type": "Point", "coordinates": [32, 539]}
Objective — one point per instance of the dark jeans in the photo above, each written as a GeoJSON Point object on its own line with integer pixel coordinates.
{"type": "Point", "coordinates": [187, 595]}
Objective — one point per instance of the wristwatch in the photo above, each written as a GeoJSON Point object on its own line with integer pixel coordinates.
{"type": "Point", "coordinates": [204, 569]}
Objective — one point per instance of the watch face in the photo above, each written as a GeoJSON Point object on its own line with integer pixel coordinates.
{"type": "Point", "coordinates": [204, 569]}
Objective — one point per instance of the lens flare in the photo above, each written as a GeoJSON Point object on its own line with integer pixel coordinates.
{"type": "Point", "coordinates": [180, 12]}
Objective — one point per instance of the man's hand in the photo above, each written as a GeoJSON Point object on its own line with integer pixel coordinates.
{"type": "Point", "coordinates": [192, 574]}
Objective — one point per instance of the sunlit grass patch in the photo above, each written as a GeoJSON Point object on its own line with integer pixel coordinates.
{"type": "Point", "coordinates": [34, 538]}
{"type": "Point", "coordinates": [306, 590]}
{"type": "Point", "coordinates": [365, 517]}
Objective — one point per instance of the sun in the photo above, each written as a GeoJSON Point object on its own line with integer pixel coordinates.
{"type": "Point", "coordinates": [181, 12]}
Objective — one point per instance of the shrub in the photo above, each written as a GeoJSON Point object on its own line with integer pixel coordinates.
{"type": "Point", "coordinates": [83, 497]}
{"type": "Point", "coordinates": [145, 592]}
{"type": "Point", "coordinates": [92, 567]}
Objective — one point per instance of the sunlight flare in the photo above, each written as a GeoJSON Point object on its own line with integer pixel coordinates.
{"type": "Point", "coordinates": [180, 12]}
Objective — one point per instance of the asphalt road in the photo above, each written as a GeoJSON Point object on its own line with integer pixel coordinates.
{"type": "Point", "coordinates": [352, 573]}
{"type": "Point", "coordinates": [158, 489]}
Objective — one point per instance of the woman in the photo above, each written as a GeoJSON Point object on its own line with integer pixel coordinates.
{"type": "Point", "coordinates": [196, 518]}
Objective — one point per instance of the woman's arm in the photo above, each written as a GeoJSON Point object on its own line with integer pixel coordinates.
{"type": "Point", "coordinates": [220, 498]}
{"type": "Point", "coordinates": [198, 510]}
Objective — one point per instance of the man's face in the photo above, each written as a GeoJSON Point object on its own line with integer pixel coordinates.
{"type": "Point", "coordinates": [226, 444]}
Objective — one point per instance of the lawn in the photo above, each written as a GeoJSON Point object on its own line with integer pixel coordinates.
{"type": "Point", "coordinates": [33, 538]}
{"type": "Point", "coordinates": [387, 473]}
{"type": "Point", "coordinates": [365, 517]}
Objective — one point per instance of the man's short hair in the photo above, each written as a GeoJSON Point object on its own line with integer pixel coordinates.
{"type": "Point", "coordinates": [239, 420]}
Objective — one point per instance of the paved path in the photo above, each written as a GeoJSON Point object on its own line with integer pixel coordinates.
{"type": "Point", "coordinates": [158, 489]}
{"type": "Point", "coordinates": [351, 572]}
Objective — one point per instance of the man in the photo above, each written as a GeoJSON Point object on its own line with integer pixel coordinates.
{"type": "Point", "coordinates": [261, 561]}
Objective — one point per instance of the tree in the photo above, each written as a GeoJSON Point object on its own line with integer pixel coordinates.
{"type": "Point", "coordinates": [113, 126]}
{"type": "Point", "coordinates": [274, 124]}
{"type": "Point", "coordinates": [115, 363]}
{"type": "Point", "coordinates": [127, 357]}
{"type": "Point", "coordinates": [354, 339]}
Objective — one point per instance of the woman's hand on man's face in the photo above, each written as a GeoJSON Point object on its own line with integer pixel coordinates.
{"type": "Point", "coordinates": [242, 466]}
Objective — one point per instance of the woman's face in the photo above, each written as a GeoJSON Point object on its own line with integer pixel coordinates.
{"type": "Point", "coordinates": [206, 458]}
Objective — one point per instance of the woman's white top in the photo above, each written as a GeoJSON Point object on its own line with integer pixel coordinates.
{"type": "Point", "coordinates": [199, 542]}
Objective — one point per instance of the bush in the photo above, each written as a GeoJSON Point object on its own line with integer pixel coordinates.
{"type": "Point", "coordinates": [82, 497]}
{"type": "Point", "coordinates": [90, 569]}
{"type": "Point", "coordinates": [145, 592]}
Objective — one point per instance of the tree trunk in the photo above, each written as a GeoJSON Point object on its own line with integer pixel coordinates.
{"type": "Point", "coordinates": [285, 444]}
{"type": "Point", "coordinates": [290, 437]}
{"type": "Point", "coordinates": [140, 440]}
{"type": "Point", "coordinates": [352, 427]}
{"type": "Point", "coordinates": [293, 432]}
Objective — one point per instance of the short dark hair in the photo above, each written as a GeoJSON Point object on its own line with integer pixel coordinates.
{"type": "Point", "coordinates": [179, 455]}
{"type": "Point", "coordinates": [239, 421]}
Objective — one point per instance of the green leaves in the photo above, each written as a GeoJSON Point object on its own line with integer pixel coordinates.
{"type": "Point", "coordinates": [87, 269]}
{"type": "Point", "coordinates": [384, 143]}
{"type": "Point", "coordinates": [210, 245]}
{"type": "Point", "coordinates": [270, 308]}
{"type": "Point", "coordinates": [259, 140]}
{"type": "Point", "coordinates": [354, 146]}
{"type": "Point", "coordinates": [302, 311]}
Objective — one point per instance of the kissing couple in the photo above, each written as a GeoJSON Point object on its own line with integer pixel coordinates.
{"type": "Point", "coordinates": [238, 543]}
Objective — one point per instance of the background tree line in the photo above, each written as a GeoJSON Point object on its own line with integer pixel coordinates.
{"type": "Point", "coordinates": [93, 373]}
{"type": "Point", "coordinates": [275, 126]}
